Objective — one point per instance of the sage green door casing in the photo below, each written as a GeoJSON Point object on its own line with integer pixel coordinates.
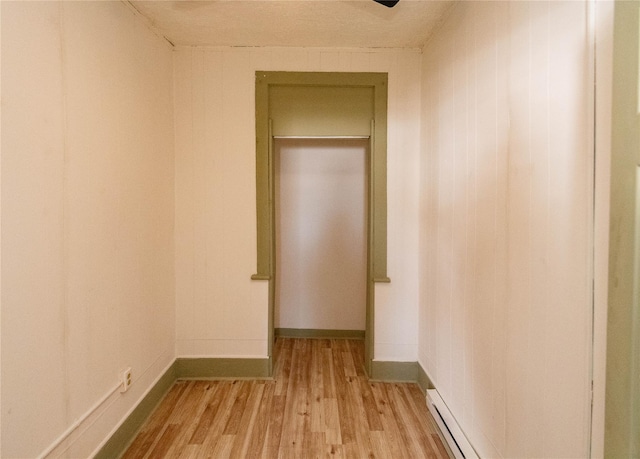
{"type": "Point", "coordinates": [622, 401]}
{"type": "Point", "coordinates": [322, 104]}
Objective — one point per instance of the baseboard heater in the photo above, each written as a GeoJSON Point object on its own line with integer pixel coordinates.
{"type": "Point", "coordinates": [456, 440]}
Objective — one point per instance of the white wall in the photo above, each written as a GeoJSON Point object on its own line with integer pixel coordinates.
{"type": "Point", "coordinates": [87, 220]}
{"type": "Point", "coordinates": [321, 234]}
{"type": "Point", "coordinates": [220, 311]}
{"type": "Point", "coordinates": [505, 310]}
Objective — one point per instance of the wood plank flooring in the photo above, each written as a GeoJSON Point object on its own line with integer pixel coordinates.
{"type": "Point", "coordinates": [320, 404]}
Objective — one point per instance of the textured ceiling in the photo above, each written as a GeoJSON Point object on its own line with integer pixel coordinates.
{"type": "Point", "coordinates": [306, 23]}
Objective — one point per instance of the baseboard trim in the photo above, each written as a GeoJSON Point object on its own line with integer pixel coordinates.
{"type": "Point", "coordinates": [424, 381]}
{"type": "Point", "coordinates": [118, 443]}
{"type": "Point", "coordinates": [401, 371]}
{"type": "Point", "coordinates": [211, 367]}
{"type": "Point", "coordinates": [394, 371]}
{"type": "Point", "coordinates": [318, 333]}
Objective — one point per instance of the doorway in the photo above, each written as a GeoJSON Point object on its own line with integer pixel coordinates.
{"type": "Point", "coordinates": [321, 238]}
{"type": "Point", "coordinates": [320, 105]}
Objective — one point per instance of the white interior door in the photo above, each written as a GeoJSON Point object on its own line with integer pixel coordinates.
{"type": "Point", "coordinates": [321, 196]}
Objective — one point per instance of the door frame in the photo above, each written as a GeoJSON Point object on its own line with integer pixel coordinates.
{"type": "Point", "coordinates": [377, 183]}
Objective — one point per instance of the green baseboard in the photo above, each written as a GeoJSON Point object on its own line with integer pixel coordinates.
{"type": "Point", "coordinates": [423, 379]}
{"type": "Point", "coordinates": [194, 368]}
{"type": "Point", "coordinates": [402, 372]}
{"type": "Point", "coordinates": [122, 438]}
{"type": "Point", "coordinates": [318, 333]}
{"type": "Point", "coordinates": [394, 371]}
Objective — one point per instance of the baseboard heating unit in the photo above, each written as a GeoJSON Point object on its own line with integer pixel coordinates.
{"type": "Point", "coordinates": [456, 440]}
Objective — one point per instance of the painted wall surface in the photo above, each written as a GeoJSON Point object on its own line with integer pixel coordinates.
{"type": "Point", "coordinates": [622, 416]}
{"type": "Point", "coordinates": [321, 234]}
{"type": "Point", "coordinates": [87, 220]}
{"type": "Point", "coordinates": [220, 311]}
{"type": "Point", "coordinates": [505, 309]}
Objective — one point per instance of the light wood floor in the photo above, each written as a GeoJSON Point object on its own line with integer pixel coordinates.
{"type": "Point", "coordinates": [320, 404]}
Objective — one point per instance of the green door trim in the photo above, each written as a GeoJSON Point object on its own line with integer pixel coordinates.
{"type": "Point", "coordinates": [377, 205]}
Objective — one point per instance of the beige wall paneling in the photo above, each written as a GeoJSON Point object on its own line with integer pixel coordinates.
{"type": "Point", "coordinates": [218, 308]}
{"type": "Point", "coordinates": [232, 319]}
{"type": "Point", "coordinates": [396, 303]}
{"type": "Point", "coordinates": [88, 221]}
{"type": "Point", "coordinates": [32, 304]}
{"type": "Point", "coordinates": [505, 314]}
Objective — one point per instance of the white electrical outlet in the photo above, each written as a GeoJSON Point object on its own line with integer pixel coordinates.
{"type": "Point", "coordinates": [125, 380]}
